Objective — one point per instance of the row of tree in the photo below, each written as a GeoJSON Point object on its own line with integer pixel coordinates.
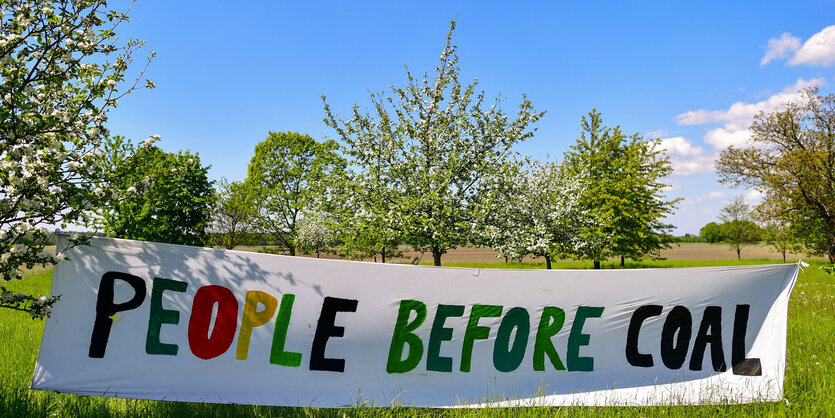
{"type": "Point", "coordinates": [433, 166]}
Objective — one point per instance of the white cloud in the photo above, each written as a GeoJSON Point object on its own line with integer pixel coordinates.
{"type": "Point", "coordinates": [753, 197]}
{"type": "Point", "coordinates": [715, 195]}
{"type": "Point", "coordinates": [780, 47]}
{"type": "Point", "coordinates": [685, 158]}
{"type": "Point", "coordinates": [740, 114]}
{"type": "Point", "coordinates": [722, 138]}
{"type": "Point", "coordinates": [680, 146]}
{"type": "Point", "coordinates": [656, 134]}
{"type": "Point", "coordinates": [819, 49]}
{"type": "Point", "coordinates": [734, 130]}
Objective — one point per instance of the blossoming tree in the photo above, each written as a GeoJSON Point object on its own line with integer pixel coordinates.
{"type": "Point", "coordinates": [435, 144]}
{"type": "Point", "coordinates": [63, 68]}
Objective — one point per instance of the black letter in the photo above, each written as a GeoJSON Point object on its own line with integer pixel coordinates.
{"type": "Point", "coordinates": [105, 308]}
{"type": "Point", "coordinates": [326, 329]}
{"type": "Point", "coordinates": [632, 355]}
{"type": "Point", "coordinates": [679, 319]}
{"type": "Point", "coordinates": [743, 366]}
{"type": "Point", "coordinates": [712, 319]}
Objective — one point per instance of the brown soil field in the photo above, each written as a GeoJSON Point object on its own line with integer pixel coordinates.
{"type": "Point", "coordinates": [697, 251]}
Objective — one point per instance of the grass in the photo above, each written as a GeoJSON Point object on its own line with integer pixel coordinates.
{"type": "Point", "coordinates": [809, 384]}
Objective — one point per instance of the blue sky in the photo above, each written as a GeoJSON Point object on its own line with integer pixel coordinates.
{"type": "Point", "coordinates": [691, 74]}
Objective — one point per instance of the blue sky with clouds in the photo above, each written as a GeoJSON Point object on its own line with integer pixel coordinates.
{"type": "Point", "coordinates": [691, 74]}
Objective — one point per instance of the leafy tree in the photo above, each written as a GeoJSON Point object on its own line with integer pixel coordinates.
{"type": "Point", "coordinates": [166, 197]}
{"type": "Point", "coordinates": [791, 159]}
{"type": "Point", "coordinates": [737, 227]}
{"type": "Point", "coordinates": [234, 213]}
{"type": "Point", "coordinates": [539, 207]}
{"type": "Point", "coordinates": [316, 232]}
{"type": "Point", "coordinates": [62, 69]}
{"type": "Point", "coordinates": [293, 173]}
{"type": "Point", "coordinates": [778, 235]}
{"type": "Point", "coordinates": [776, 231]}
{"type": "Point", "coordinates": [623, 199]}
{"type": "Point", "coordinates": [712, 232]}
{"type": "Point", "coordinates": [435, 144]}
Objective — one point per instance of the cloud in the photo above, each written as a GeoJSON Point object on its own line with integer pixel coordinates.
{"type": "Point", "coordinates": [656, 134]}
{"type": "Point", "coordinates": [734, 130]}
{"type": "Point", "coordinates": [680, 146]}
{"type": "Point", "coordinates": [715, 195]}
{"type": "Point", "coordinates": [753, 197]}
{"type": "Point", "coordinates": [780, 47]}
{"type": "Point", "coordinates": [722, 138]}
{"type": "Point", "coordinates": [685, 158]}
{"type": "Point", "coordinates": [741, 114]}
{"type": "Point", "coordinates": [819, 49]}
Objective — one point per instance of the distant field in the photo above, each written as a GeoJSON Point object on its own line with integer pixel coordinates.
{"type": "Point", "coordinates": [686, 252]}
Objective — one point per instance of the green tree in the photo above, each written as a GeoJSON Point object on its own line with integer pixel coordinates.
{"type": "Point", "coordinates": [738, 229]}
{"type": "Point", "coordinates": [539, 206]}
{"type": "Point", "coordinates": [293, 174]}
{"type": "Point", "coordinates": [435, 144]}
{"type": "Point", "coordinates": [233, 213]}
{"type": "Point", "coordinates": [62, 68]}
{"type": "Point", "coordinates": [791, 159]}
{"type": "Point", "coordinates": [165, 197]}
{"type": "Point", "coordinates": [712, 232]}
{"type": "Point", "coordinates": [776, 231]}
{"type": "Point", "coordinates": [623, 198]}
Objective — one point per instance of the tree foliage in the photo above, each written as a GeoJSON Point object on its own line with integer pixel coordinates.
{"type": "Point", "coordinates": [233, 213]}
{"type": "Point", "coordinates": [738, 228]}
{"type": "Point", "coordinates": [164, 197]}
{"type": "Point", "coordinates": [790, 157]}
{"type": "Point", "coordinates": [538, 210]}
{"type": "Point", "coordinates": [63, 68]}
{"type": "Point", "coordinates": [434, 144]}
{"type": "Point", "coordinates": [623, 198]}
{"type": "Point", "coordinates": [712, 233]}
{"type": "Point", "coordinates": [316, 232]}
{"type": "Point", "coordinates": [293, 174]}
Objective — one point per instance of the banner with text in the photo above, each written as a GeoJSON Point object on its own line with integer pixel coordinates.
{"type": "Point", "coordinates": [159, 321]}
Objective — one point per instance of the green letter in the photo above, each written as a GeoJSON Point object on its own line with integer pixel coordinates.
{"type": "Point", "coordinates": [577, 339]}
{"type": "Point", "coordinates": [404, 334]}
{"type": "Point", "coordinates": [549, 325]}
{"type": "Point", "coordinates": [505, 357]}
{"type": "Point", "coordinates": [439, 333]}
{"type": "Point", "coordinates": [161, 316]}
{"type": "Point", "coordinates": [474, 332]}
{"type": "Point", "coordinates": [282, 322]}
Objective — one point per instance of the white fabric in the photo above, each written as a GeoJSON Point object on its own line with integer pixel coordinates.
{"type": "Point", "coordinates": [127, 370]}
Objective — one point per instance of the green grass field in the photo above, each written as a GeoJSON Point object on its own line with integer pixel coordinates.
{"type": "Point", "coordinates": [809, 385]}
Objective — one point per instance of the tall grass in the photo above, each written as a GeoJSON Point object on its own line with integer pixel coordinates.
{"type": "Point", "coordinates": [809, 385]}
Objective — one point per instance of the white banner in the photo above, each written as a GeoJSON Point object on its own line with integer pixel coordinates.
{"type": "Point", "coordinates": [158, 321]}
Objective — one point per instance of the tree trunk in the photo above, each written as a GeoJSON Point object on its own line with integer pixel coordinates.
{"type": "Point", "coordinates": [436, 255]}
{"type": "Point", "coordinates": [548, 262]}
{"type": "Point", "coordinates": [597, 264]}
{"type": "Point", "coordinates": [292, 250]}
{"type": "Point", "coordinates": [739, 253]}
{"type": "Point", "coordinates": [621, 261]}
{"type": "Point", "coordinates": [383, 255]}
{"type": "Point", "coordinates": [784, 256]}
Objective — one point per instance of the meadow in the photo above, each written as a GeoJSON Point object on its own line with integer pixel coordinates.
{"type": "Point", "coordinates": [809, 383]}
